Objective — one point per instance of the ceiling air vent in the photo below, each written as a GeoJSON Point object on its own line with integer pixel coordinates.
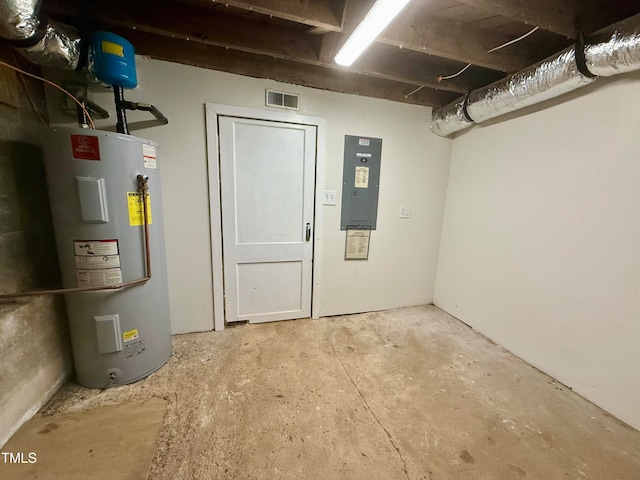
{"type": "Point", "coordinates": [282, 100]}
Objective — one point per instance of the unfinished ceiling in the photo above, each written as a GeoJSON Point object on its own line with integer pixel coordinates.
{"type": "Point", "coordinates": [294, 41]}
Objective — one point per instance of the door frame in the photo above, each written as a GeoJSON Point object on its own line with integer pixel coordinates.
{"type": "Point", "coordinates": [212, 112]}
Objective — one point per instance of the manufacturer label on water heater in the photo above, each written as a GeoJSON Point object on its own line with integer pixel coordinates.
{"type": "Point", "coordinates": [85, 147]}
{"type": "Point", "coordinates": [97, 263]}
{"type": "Point", "coordinates": [133, 348]}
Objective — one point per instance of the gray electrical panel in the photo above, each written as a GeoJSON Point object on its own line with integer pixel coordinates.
{"type": "Point", "coordinates": [360, 182]}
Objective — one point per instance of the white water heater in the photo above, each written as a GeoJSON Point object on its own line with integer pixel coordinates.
{"type": "Point", "coordinates": [118, 335]}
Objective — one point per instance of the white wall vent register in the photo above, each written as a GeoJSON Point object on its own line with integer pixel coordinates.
{"type": "Point", "coordinates": [282, 100]}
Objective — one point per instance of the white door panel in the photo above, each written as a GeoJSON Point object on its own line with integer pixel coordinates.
{"type": "Point", "coordinates": [267, 159]}
{"type": "Point", "coordinates": [267, 171]}
{"type": "Point", "coordinates": [280, 286]}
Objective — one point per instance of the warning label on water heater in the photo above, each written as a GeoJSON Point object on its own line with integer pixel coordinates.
{"type": "Point", "coordinates": [130, 335]}
{"type": "Point", "coordinates": [149, 156]}
{"type": "Point", "coordinates": [97, 263]}
{"type": "Point", "coordinates": [99, 278]}
{"type": "Point", "coordinates": [92, 248]}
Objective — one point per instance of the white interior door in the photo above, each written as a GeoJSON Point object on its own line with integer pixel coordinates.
{"type": "Point", "coordinates": [267, 172]}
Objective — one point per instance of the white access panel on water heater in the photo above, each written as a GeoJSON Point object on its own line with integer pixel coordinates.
{"type": "Point", "coordinates": [118, 336]}
{"type": "Point", "coordinates": [92, 194]}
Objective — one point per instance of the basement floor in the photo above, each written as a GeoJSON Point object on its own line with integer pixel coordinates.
{"type": "Point", "coordinates": [404, 394]}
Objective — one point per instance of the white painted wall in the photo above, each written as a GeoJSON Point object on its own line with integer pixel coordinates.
{"type": "Point", "coordinates": [415, 163]}
{"type": "Point", "coordinates": [541, 233]}
{"type": "Point", "coordinates": [541, 240]}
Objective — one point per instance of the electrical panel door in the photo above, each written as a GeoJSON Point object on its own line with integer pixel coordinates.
{"type": "Point", "coordinates": [360, 182]}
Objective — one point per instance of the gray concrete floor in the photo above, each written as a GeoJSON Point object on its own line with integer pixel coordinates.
{"type": "Point", "coordinates": [405, 394]}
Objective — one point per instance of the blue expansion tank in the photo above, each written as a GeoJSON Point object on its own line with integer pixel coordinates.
{"type": "Point", "coordinates": [112, 60]}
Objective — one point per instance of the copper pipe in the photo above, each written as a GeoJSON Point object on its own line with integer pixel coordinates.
{"type": "Point", "coordinates": [144, 193]}
{"type": "Point", "coordinates": [143, 187]}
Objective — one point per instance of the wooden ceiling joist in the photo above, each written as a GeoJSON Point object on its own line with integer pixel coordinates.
{"type": "Point", "coordinates": [296, 41]}
{"type": "Point", "coordinates": [322, 14]}
{"type": "Point", "coordinates": [553, 15]}
{"type": "Point", "coordinates": [216, 58]}
{"type": "Point", "coordinates": [258, 37]}
{"type": "Point", "coordinates": [456, 42]}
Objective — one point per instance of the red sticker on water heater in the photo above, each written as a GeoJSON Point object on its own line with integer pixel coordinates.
{"type": "Point", "coordinates": [85, 147]}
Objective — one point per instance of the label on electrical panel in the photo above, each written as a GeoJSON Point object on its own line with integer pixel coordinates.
{"type": "Point", "coordinates": [130, 335]}
{"type": "Point", "coordinates": [362, 177]}
{"type": "Point", "coordinates": [364, 142]}
{"type": "Point", "coordinates": [149, 156]}
{"type": "Point", "coordinates": [99, 278]}
{"type": "Point", "coordinates": [136, 212]}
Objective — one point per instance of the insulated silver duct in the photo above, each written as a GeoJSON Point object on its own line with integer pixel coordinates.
{"type": "Point", "coordinates": [42, 41]}
{"type": "Point", "coordinates": [450, 118]}
{"type": "Point", "coordinates": [613, 50]}
{"type": "Point", "coordinates": [20, 19]}
{"type": "Point", "coordinates": [611, 53]}
{"type": "Point", "coordinates": [547, 79]}
{"type": "Point", "coordinates": [60, 47]}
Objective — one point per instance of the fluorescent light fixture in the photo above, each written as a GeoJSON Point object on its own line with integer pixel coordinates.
{"type": "Point", "coordinates": [380, 15]}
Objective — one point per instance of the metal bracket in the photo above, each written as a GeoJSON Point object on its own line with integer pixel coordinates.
{"type": "Point", "coordinates": [160, 119]}
{"type": "Point", "coordinates": [94, 108]}
{"type": "Point", "coordinates": [146, 107]}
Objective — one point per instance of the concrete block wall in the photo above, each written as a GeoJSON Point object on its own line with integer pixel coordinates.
{"type": "Point", "coordinates": [34, 348]}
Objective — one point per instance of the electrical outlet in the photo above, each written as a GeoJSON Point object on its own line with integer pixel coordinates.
{"type": "Point", "coordinates": [405, 211]}
{"type": "Point", "coordinates": [329, 197]}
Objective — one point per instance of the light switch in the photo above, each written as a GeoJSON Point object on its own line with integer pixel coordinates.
{"type": "Point", "coordinates": [329, 197]}
{"type": "Point", "coordinates": [405, 211]}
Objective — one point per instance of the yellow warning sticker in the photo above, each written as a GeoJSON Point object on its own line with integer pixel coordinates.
{"type": "Point", "coordinates": [112, 48]}
{"type": "Point", "coordinates": [135, 209]}
{"type": "Point", "coordinates": [130, 335]}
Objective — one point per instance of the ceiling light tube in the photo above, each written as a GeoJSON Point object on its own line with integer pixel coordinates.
{"type": "Point", "coordinates": [380, 15]}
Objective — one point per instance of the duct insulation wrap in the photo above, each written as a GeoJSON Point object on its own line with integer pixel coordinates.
{"type": "Point", "coordinates": [450, 119]}
{"type": "Point", "coordinates": [60, 47]}
{"type": "Point", "coordinates": [547, 79]}
{"type": "Point", "coordinates": [19, 19]}
{"type": "Point", "coordinates": [613, 50]}
{"type": "Point", "coordinates": [42, 42]}
{"type": "Point", "coordinates": [618, 52]}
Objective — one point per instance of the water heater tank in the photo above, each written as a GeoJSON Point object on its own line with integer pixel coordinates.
{"type": "Point", "coordinates": [122, 335]}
